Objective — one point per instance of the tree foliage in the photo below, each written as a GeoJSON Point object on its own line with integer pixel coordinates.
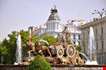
{"type": "Point", "coordinates": [78, 48]}
{"type": "Point", "coordinates": [49, 38]}
{"type": "Point", "coordinates": [39, 63]}
{"type": "Point", "coordinates": [9, 46]}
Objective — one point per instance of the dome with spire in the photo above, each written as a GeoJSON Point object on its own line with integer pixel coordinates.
{"type": "Point", "coordinates": [54, 14]}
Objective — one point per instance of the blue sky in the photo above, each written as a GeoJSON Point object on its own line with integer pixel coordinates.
{"type": "Point", "coordinates": [20, 14]}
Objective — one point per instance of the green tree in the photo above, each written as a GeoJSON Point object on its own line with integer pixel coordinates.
{"type": "Point", "coordinates": [11, 46]}
{"type": "Point", "coordinates": [3, 52]}
{"type": "Point", "coordinates": [49, 38]}
{"type": "Point", "coordinates": [25, 39]}
{"type": "Point", "coordinates": [8, 47]}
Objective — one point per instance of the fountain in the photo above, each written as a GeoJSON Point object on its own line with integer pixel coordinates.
{"type": "Point", "coordinates": [65, 50]}
{"type": "Point", "coordinates": [91, 49]}
{"type": "Point", "coordinates": [18, 50]}
{"type": "Point", "coordinates": [62, 52]}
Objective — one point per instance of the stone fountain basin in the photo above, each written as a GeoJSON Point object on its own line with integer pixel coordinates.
{"type": "Point", "coordinates": [55, 67]}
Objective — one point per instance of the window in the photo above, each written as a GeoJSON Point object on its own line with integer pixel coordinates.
{"type": "Point", "coordinates": [74, 36]}
{"type": "Point", "coordinates": [79, 37]}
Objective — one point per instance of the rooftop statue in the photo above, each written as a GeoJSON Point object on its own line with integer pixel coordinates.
{"type": "Point", "coordinates": [64, 37]}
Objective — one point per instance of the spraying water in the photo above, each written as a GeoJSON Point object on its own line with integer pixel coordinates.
{"type": "Point", "coordinates": [91, 44]}
{"type": "Point", "coordinates": [18, 50]}
{"type": "Point", "coordinates": [91, 48]}
{"type": "Point", "coordinates": [84, 56]}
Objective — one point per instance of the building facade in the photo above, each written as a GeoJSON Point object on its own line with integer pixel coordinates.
{"type": "Point", "coordinates": [99, 27]}
{"type": "Point", "coordinates": [75, 33]}
{"type": "Point", "coordinates": [54, 26]}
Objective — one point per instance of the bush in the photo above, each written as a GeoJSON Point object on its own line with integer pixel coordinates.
{"type": "Point", "coordinates": [39, 63]}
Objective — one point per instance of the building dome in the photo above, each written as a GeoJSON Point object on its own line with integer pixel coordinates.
{"type": "Point", "coordinates": [54, 14]}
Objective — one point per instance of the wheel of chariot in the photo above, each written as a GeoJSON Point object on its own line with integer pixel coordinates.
{"type": "Point", "coordinates": [60, 52]}
{"type": "Point", "coordinates": [70, 51]}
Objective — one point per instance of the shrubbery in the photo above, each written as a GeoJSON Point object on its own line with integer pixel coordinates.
{"type": "Point", "coordinates": [39, 63]}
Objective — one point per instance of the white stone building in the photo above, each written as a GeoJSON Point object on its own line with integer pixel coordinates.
{"type": "Point", "coordinates": [99, 26]}
{"type": "Point", "coordinates": [54, 26]}
{"type": "Point", "coordinates": [75, 33]}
